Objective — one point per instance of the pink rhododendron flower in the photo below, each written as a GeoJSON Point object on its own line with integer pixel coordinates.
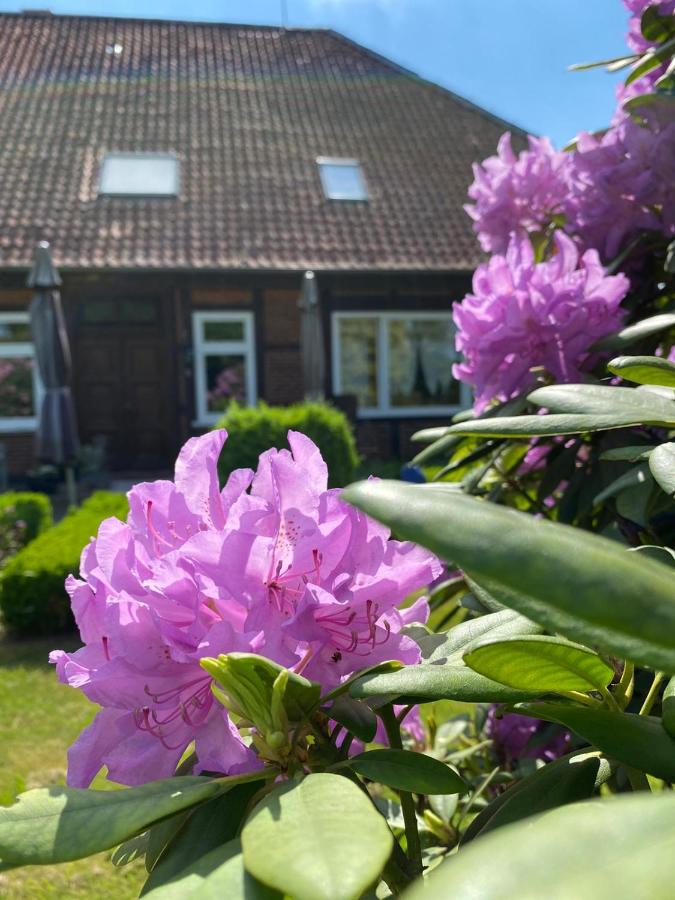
{"type": "Point", "coordinates": [516, 193]}
{"type": "Point", "coordinates": [274, 563]}
{"type": "Point", "coordinates": [522, 737]}
{"type": "Point", "coordinates": [524, 314]}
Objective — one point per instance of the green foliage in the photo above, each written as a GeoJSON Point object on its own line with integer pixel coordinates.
{"type": "Point", "coordinates": [320, 839]}
{"type": "Point", "coordinates": [23, 516]}
{"type": "Point", "coordinates": [253, 430]}
{"type": "Point", "coordinates": [408, 771]}
{"type": "Point", "coordinates": [33, 600]}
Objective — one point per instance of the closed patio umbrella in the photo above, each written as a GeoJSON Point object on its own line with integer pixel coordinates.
{"type": "Point", "coordinates": [311, 339]}
{"type": "Point", "coordinates": [56, 440]}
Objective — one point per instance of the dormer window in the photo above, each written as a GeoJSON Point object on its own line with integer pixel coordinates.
{"type": "Point", "coordinates": [342, 179]}
{"type": "Point", "coordinates": [139, 175]}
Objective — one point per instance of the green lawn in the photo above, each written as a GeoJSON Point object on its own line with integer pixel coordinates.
{"type": "Point", "coordinates": [39, 719]}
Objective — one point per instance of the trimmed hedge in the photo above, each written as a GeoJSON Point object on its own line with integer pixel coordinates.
{"type": "Point", "coordinates": [252, 430]}
{"type": "Point", "coordinates": [33, 599]}
{"type": "Point", "coordinates": [23, 516]}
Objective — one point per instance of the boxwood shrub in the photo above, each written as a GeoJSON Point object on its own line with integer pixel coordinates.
{"type": "Point", "coordinates": [252, 430]}
{"type": "Point", "coordinates": [33, 600]}
{"type": "Point", "coordinates": [23, 516]}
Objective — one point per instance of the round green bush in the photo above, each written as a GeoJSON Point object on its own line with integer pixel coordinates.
{"type": "Point", "coordinates": [252, 430]}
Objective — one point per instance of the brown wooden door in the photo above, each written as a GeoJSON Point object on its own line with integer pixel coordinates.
{"type": "Point", "coordinates": [124, 379]}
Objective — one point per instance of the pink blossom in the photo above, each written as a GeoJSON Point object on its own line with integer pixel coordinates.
{"type": "Point", "coordinates": [274, 563]}
{"type": "Point", "coordinates": [516, 193]}
{"type": "Point", "coordinates": [523, 314]}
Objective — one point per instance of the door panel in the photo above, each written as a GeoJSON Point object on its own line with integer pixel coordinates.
{"type": "Point", "coordinates": [124, 374]}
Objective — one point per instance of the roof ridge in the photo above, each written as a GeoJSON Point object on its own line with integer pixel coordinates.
{"type": "Point", "coordinates": [47, 15]}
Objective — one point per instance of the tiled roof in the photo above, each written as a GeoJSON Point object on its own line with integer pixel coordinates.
{"type": "Point", "coordinates": [247, 110]}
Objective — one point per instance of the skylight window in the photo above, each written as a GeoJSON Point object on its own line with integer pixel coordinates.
{"type": "Point", "coordinates": [140, 175]}
{"type": "Point", "coordinates": [342, 179]}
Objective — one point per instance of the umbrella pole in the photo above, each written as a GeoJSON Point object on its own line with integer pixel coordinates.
{"type": "Point", "coordinates": [71, 489]}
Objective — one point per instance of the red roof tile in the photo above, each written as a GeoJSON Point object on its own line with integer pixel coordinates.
{"type": "Point", "coordinates": [247, 110]}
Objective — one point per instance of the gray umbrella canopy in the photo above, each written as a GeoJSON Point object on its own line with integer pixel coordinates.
{"type": "Point", "coordinates": [56, 439]}
{"type": "Point", "coordinates": [311, 339]}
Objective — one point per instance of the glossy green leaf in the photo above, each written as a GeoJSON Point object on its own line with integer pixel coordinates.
{"type": "Point", "coordinates": [636, 332]}
{"type": "Point", "coordinates": [355, 717]}
{"type": "Point", "coordinates": [656, 27]}
{"type": "Point", "coordinates": [602, 400]}
{"type": "Point", "coordinates": [536, 426]}
{"type": "Point", "coordinates": [130, 850]}
{"type": "Point", "coordinates": [540, 663]}
{"type": "Point", "coordinates": [628, 454]}
{"type": "Point", "coordinates": [661, 554]}
{"type": "Point", "coordinates": [622, 847]}
{"type": "Point", "coordinates": [56, 824]}
{"type": "Point", "coordinates": [644, 369]}
{"type": "Point", "coordinates": [217, 875]}
{"type": "Point", "coordinates": [637, 741]}
{"type": "Point", "coordinates": [406, 770]}
{"type": "Point", "coordinates": [569, 779]}
{"type": "Point", "coordinates": [209, 826]}
{"type": "Point", "coordinates": [662, 466]}
{"type": "Point", "coordinates": [668, 708]}
{"type": "Point", "coordinates": [319, 839]}
{"type": "Point", "coordinates": [573, 583]}
{"type": "Point", "coordinates": [639, 475]}
{"type": "Point", "coordinates": [442, 674]}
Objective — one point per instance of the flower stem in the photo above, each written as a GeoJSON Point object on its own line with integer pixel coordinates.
{"type": "Point", "coordinates": [412, 836]}
{"type": "Point", "coordinates": [650, 699]}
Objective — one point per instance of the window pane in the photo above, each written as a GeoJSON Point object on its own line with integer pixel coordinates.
{"type": "Point", "coordinates": [421, 354]}
{"type": "Point", "coordinates": [342, 181]}
{"type": "Point", "coordinates": [16, 387]}
{"type": "Point", "coordinates": [224, 331]}
{"type": "Point", "coordinates": [14, 331]}
{"type": "Point", "coordinates": [358, 359]}
{"type": "Point", "coordinates": [225, 381]}
{"type": "Point", "coordinates": [141, 174]}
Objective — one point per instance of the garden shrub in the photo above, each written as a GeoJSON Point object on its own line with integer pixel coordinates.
{"type": "Point", "coordinates": [32, 596]}
{"type": "Point", "coordinates": [23, 516]}
{"type": "Point", "coordinates": [252, 430]}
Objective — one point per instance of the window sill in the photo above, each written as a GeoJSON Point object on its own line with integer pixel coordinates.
{"type": "Point", "coordinates": [411, 412]}
{"type": "Point", "coordinates": [17, 426]}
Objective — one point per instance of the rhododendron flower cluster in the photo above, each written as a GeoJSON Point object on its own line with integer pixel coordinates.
{"type": "Point", "coordinates": [274, 563]}
{"type": "Point", "coordinates": [516, 193]}
{"type": "Point", "coordinates": [524, 314]}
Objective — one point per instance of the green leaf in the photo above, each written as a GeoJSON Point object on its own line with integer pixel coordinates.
{"type": "Point", "coordinates": [442, 675]}
{"type": "Point", "coordinates": [597, 850]}
{"type": "Point", "coordinates": [656, 27]}
{"type": "Point", "coordinates": [209, 826]}
{"type": "Point", "coordinates": [566, 780]}
{"type": "Point", "coordinates": [637, 332]}
{"type": "Point", "coordinates": [57, 824]}
{"type": "Point", "coordinates": [536, 426]}
{"type": "Point", "coordinates": [662, 466]}
{"type": "Point", "coordinates": [540, 663]}
{"type": "Point", "coordinates": [406, 770]}
{"type": "Point", "coordinates": [628, 454]}
{"type": "Point", "coordinates": [574, 583]}
{"type": "Point", "coordinates": [600, 400]}
{"type": "Point", "coordinates": [661, 554]}
{"type": "Point", "coordinates": [320, 839]}
{"type": "Point", "coordinates": [130, 850]}
{"type": "Point", "coordinates": [355, 717]}
{"type": "Point", "coordinates": [668, 708]}
{"type": "Point", "coordinates": [637, 741]}
{"type": "Point", "coordinates": [217, 875]}
{"type": "Point", "coordinates": [644, 370]}
{"type": "Point", "coordinates": [634, 477]}
{"type": "Point", "coordinates": [423, 684]}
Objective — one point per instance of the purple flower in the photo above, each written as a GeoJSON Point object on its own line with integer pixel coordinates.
{"type": "Point", "coordinates": [274, 563]}
{"type": "Point", "coordinates": [621, 183]}
{"type": "Point", "coordinates": [516, 193]}
{"type": "Point", "coordinates": [524, 314]}
{"type": "Point", "coordinates": [521, 737]}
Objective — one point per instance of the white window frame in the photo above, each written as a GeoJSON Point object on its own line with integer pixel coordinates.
{"type": "Point", "coordinates": [322, 161]}
{"type": "Point", "coordinates": [384, 409]}
{"type": "Point", "coordinates": [203, 348]}
{"type": "Point", "coordinates": [21, 350]}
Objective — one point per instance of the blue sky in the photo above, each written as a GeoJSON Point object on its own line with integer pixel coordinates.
{"type": "Point", "coordinates": [509, 56]}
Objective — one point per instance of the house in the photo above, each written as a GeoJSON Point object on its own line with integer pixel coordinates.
{"type": "Point", "coordinates": [187, 175]}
